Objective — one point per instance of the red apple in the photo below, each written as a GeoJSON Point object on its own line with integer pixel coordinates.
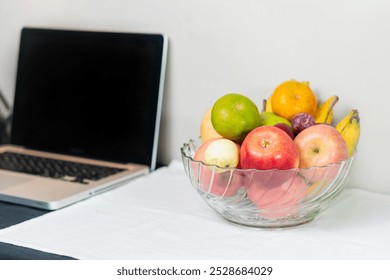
{"type": "Point", "coordinates": [214, 180]}
{"type": "Point", "coordinates": [278, 201]}
{"type": "Point", "coordinates": [268, 147]}
{"type": "Point", "coordinates": [272, 152]}
{"type": "Point", "coordinates": [286, 129]}
{"type": "Point", "coordinates": [320, 145]}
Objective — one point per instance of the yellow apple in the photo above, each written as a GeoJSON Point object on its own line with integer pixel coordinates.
{"type": "Point", "coordinates": [207, 130]}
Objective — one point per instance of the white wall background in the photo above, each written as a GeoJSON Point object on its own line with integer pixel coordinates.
{"type": "Point", "coordinates": [249, 46]}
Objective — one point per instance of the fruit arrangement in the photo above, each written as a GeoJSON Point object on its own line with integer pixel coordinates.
{"type": "Point", "coordinates": [291, 131]}
{"type": "Point", "coordinates": [278, 166]}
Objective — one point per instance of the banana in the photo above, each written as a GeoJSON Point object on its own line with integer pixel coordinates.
{"type": "Point", "coordinates": [344, 121]}
{"type": "Point", "coordinates": [325, 110]}
{"type": "Point", "coordinates": [349, 128]}
{"type": "Point", "coordinates": [267, 106]}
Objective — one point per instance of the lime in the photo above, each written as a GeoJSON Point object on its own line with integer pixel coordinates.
{"type": "Point", "coordinates": [234, 115]}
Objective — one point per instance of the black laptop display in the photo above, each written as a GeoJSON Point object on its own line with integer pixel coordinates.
{"type": "Point", "coordinates": [90, 94]}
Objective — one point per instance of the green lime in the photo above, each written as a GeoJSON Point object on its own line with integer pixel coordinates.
{"type": "Point", "coordinates": [234, 115]}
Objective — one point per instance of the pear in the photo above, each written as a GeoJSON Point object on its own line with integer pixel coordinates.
{"type": "Point", "coordinates": [268, 118]}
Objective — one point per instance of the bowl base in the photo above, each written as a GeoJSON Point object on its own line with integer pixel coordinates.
{"type": "Point", "coordinates": [271, 226]}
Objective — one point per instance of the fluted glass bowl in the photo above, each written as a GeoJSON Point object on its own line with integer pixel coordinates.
{"type": "Point", "coordinates": [266, 198]}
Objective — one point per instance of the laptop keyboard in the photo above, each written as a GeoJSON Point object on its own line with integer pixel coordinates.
{"type": "Point", "coordinates": [53, 168]}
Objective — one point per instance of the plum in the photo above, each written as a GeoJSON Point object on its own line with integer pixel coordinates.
{"type": "Point", "coordinates": [302, 121]}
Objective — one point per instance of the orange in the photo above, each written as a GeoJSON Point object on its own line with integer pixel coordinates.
{"type": "Point", "coordinates": [293, 97]}
{"type": "Point", "coordinates": [234, 115]}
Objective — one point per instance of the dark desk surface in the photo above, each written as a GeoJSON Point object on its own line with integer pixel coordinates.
{"type": "Point", "coordinates": [12, 214]}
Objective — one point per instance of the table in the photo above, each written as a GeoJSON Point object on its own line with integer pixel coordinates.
{"type": "Point", "coordinates": [12, 214]}
{"type": "Point", "coordinates": [160, 216]}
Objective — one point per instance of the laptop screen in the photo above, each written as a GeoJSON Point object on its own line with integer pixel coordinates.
{"type": "Point", "coordinates": [91, 94]}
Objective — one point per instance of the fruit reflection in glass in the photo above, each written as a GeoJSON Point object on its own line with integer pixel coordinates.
{"type": "Point", "coordinates": [266, 198]}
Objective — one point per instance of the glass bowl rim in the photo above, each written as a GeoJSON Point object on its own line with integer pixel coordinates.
{"type": "Point", "coordinates": [297, 169]}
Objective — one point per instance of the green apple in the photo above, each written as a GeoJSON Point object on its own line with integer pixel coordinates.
{"type": "Point", "coordinates": [270, 119]}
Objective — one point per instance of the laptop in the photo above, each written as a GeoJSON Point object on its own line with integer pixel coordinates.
{"type": "Point", "coordinates": [86, 114]}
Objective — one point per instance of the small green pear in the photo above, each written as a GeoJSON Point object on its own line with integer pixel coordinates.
{"type": "Point", "coordinates": [268, 118]}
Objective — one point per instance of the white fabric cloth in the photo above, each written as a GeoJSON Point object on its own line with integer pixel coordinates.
{"type": "Point", "coordinates": [160, 216]}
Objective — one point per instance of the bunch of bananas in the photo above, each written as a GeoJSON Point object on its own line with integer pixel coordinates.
{"type": "Point", "coordinates": [349, 126]}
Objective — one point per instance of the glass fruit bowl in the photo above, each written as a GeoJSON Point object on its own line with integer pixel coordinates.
{"type": "Point", "coordinates": [266, 198]}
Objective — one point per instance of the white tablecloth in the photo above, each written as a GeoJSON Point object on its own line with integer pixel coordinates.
{"type": "Point", "coordinates": [160, 216]}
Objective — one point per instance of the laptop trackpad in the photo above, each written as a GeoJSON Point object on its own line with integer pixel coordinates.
{"type": "Point", "coordinates": [9, 181]}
